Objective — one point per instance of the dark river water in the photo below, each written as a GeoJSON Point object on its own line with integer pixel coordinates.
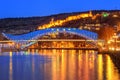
{"type": "Point", "coordinates": [57, 65]}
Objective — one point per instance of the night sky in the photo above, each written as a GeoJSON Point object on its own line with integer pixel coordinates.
{"type": "Point", "coordinates": [29, 8]}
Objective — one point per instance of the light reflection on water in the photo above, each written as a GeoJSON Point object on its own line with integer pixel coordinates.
{"type": "Point", "coordinates": [57, 65]}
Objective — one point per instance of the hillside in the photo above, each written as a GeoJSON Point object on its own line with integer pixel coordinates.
{"type": "Point", "coordinates": [96, 20]}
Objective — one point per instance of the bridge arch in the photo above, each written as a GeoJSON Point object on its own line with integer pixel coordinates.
{"type": "Point", "coordinates": [24, 38]}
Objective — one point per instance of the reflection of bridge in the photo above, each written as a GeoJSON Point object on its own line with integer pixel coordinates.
{"type": "Point", "coordinates": [26, 40]}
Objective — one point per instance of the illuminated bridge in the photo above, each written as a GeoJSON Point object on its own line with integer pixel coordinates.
{"type": "Point", "coordinates": [26, 40]}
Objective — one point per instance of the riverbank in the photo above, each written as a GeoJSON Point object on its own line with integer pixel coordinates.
{"type": "Point", "coordinates": [115, 56]}
{"type": "Point", "coordinates": [116, 59]}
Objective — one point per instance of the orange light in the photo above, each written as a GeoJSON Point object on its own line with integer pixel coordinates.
{"type": "Point", "coordinates": [53, 23]}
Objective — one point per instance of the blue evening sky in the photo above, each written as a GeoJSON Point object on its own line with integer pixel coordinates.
{"type": "Point", "coordinates": [26, 8]}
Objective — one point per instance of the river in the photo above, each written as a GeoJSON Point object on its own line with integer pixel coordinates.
{"type": "Point", "coordinates": [57, 65]}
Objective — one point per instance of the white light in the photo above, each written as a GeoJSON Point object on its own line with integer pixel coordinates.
{"type": "Point", "coordinates": [52, 29]}
{"type": "Point", "coordinates": [57, 29]}
{"type": "Point", "coordinates": [69, 29]}
{"type": "Point", "coordinates": [74, 28]}
{"type": "Point", "coordinates": [63, 29]}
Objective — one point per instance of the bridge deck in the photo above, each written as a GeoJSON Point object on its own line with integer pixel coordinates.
{"type": "Point", "coordinates": [67, 48]}
{"type": "Point", "coordinates": [53, 40]}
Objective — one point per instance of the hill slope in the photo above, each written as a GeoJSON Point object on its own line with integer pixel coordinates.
{"type": "Point", "coordinates": [98, 19]}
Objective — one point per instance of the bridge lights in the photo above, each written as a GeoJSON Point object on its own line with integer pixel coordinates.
{"type": "Point", "coordinates": [74, 28]}
{"type": "Point", "coordinates": [64, 30]}
{"type": "Point", "coordinates": [69, 29]}
{"type": "Point", "coordinates": [57, 29]}
{"type": "Point", "coordinates": [52, 29]}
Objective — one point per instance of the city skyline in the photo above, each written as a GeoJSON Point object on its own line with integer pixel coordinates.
{"type": "Point", "coordinates": [31, 8]}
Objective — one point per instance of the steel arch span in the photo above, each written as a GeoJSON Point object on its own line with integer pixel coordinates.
{"type": "Point", "coordinates": [25, 38]}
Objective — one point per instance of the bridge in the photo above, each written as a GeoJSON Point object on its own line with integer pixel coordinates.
{"type": "Point", "coordinates": [28, 39]}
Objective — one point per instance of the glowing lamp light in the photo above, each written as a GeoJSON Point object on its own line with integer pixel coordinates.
{"type": "Point", "coordinates": [118, 49]}
{"type": "Point", "coordinates": [113, 49]}
{"type": "Point", "coordinates": [108, 42]}
{"type": "Point", "coordinates": [61, 22]}
{"type": "Point", "coordinates": [52, 29]}
{"type": "Point", "coordinates": [64, 30]}
{"type": "Point", "coordinates": [69, 29]}
{"type": "Point", "coordinates": [115, 15]}
{"type": "Point", "coordinates": [57, 29]}
{"type": "Point", "coordinates": [105, 15]}
{"type": "Point", "coordinates": [103, 48]}
{"type": "Point", "coordinates": [74, 28]}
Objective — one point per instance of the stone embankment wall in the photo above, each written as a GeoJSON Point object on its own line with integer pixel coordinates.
{"type": "Point", "coordinates": [116, 59]}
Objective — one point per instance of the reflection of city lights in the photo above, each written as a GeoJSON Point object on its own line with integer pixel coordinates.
{"type": "Point", "coordinates": [10, 67]}
{"type": "Point", "coordinates": [10, 53]}
{"type": "Point", "coordinates": [62, 51]}
{"type": "Point", "coordinates": [100, 67]}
